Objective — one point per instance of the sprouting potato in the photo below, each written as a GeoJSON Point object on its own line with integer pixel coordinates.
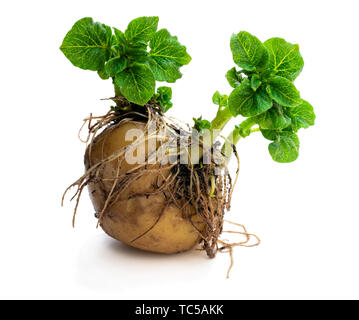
{"type": "Point", "coordinates": [170, 207]}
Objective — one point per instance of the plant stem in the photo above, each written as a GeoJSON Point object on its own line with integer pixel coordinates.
{"type": "Point", "coordinates": [219, 122]}
{"type": "Point", "coordinates": [117, 90]}
{"type": "Point", "coordinates": [118, 93]}
{"type": "Point", "coordinates": [241, 131]}
{"type": "Point", "coordinates": [247, 124]}
{"type": "Point", "coordinates": [232, 139]}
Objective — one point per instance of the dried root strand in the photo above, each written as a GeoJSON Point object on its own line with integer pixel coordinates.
{"type": "Point", "coordinates": [228, 247]}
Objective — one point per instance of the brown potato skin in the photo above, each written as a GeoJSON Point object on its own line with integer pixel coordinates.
{"type": "Point", "coordinates": [134, 213]}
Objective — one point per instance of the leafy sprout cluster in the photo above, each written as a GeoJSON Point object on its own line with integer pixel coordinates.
{"type": "Point", "coordinates": [263, 90]}
{"type": "Point", "coordinates": [134, 59]}
{"type": "Point", "coordinates": [265, 95]}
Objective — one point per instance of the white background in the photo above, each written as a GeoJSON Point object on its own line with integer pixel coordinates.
{"type": "Point", "coordinates": [306, 212]}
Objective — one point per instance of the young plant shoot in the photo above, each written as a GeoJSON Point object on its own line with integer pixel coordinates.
{"type": "Point", "coordinates": [149, 187]}
{"type": "Point", "coordinates": [264, 95]}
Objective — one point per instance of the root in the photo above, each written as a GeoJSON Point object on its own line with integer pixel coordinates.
{"type": "Point", "coordinates": [228, 247]}
{"type": "Point", "coordinates": [201, 190]}
{"type": "Point", "coordinates": [108, 197]}
{"type": "Point", "coordinates": [158, 219]}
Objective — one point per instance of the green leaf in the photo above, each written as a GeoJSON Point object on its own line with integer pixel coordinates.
{"type": "Point", "coordinates": [248, 52]}
{"type": "Point", "coordinates": [234, 77]}
{"type": "Point", "coordinates": [87, 45]}
{"type": "Point", "coordinates": [115, 65]}
{"type": "Point", "coordinates": [273, 119]}
{"type": "Point", "coordinates": [219, 99]}
{"type": "Point", "coordinates": [269, 134]}
{"type": "Point", "coordinates": [120, 37]}
{"type": "Point", "coordinates": [285, 148]}
{"type": "Point", "coordinates": [283, 91]}
{"type": "Point", "coordinates": [284, 58]}
{"type": "Point", "coordinates": [302, 115]}
{"type": "Point", "coordinates": [119, 41]}
{"type": "Point", "coordinates": [141, 29]}
{"type": "Point", "coordinates": [255, 82]}
{"type": "Point", "coordinates": [103, 75]}
{"type": "Point", "coordinates": [244, 131]}
{"type": "Point", "coordinates": [163, 98]}
{"type": "Point", "coordinates": [137, 53]}
{"type": "Point", "coordinates": [244, 101]}
{"type": "Point", "coordinates": [167, 55]}
{"type": "Point", "coordinates": [200, 124]}
{"type": "Point", "coordinates": [136, 83]}
{"type": "Point", "coordinates": [165, 92]}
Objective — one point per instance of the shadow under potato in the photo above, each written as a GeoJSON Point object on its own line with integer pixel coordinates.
{"type": "Point", "coordinates": [107, 264]}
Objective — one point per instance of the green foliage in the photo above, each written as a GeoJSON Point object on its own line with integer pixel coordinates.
{"type": "Point", "coordinates": [264, 92]}
{"type": "Point", "coordinates": [136, 83]}
{"type": "Point", "coordinates": [201, 124]}
{"type": "Point", "coordinates": [103, 75]}
{"type": "Point", "coordinates": [274, 119]}
{"type": "Point", "coordinates": [134, 59]}
{"type": "Point", "coordinates": [234, 77]}
{"type": "Point", "coordinates": [245, 101]}
{"type": "Point", "coordinates": [302, 116]}
{"type": "Point", "coordinates": [167, 55]}
{"type": "Point", "coordinates": [87, 45]}
{"type": "Point", "coordinates": [282, 91]}
{"type": "Point", "coordinates": [248, 52]}
{"type": "Point", "coordinates": [243, 130]}
{"type": "Point", "coordinates": [119, 43]}
{"type": "Point", "coordinates": [255, 82]}
{"type": "Point", "coordinates": [115, 66]}
{"type": "Point", "coordinates": [285, 145]}
{"type": "Point", "coordinates": [220, 99]}
{"type": "Point", "coordinates": [284, 58]}
{"type": "Point", "coordinates": [163, 98]}
{"type": "Point", "coordinates": [141, 29]}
